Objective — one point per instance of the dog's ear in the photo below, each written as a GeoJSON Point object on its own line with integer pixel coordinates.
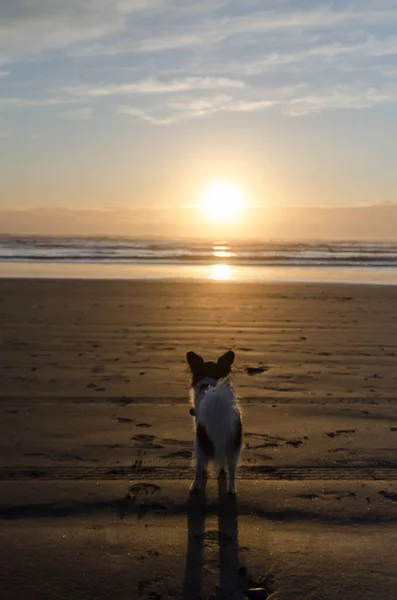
{"type": "Point", "coordinates": [195, 361]}
{"type": "Point", "coordinates": [225, 362]}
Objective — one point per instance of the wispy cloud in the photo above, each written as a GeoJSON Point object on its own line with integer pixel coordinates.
{"type": "Point", "coordinates": [340, 97]}
{"type": "Point", "coordinates": [21, 102]}
{"type": "Point", "coordinates": [341, 56]}
{"type": "Point", "coordinates": [294, 101]}
{"type": "Point", "coordinates": [182, 109]}
{"type": "Point", "coordinates": [265, 22]}
{"type": "Point", "coordinates": [32, 26]}
{"type": "Point", "coordinates": [79, 114]}
{"type": "Point", "coordinates": [155, 86]}
{"type": "Point", "coordinates": [194, 59]}
{"type": "Point", "coordinates": [147, 115]}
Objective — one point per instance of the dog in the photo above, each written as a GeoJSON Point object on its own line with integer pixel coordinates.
{"type": "Point", "coordinates": [217, 418]}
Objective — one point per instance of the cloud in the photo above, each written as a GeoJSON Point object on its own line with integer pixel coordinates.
{"type": "Point", "coordinates": [19, 102]}
{"type": "Point", "coordinates": [348, 97]}
{"type": "Point", "coordinates": [185, 108]}
{"type": "Point", "coordinates": [293, 101]}
{"type": "Point", "coordinates": [32, 26]}
{"type": "Point", "coordinates": [5, 73]}
{"type": "Point", "coordinates": [264, 22]}
{"type": "Point", "coordinates": [178, 110]}
{"type": "Point", "coordinates": [28, 26]}
{"type": "Point", "coordinates": [195, 59]}
{"type": "Point", "coordinates": [148, 116]}
{"type": "Point", "coordinates": [79, 114]}
{"type": "Point", "coordinates": [155, 86]}
{"type": "Point", "coordinates": [343, 56]}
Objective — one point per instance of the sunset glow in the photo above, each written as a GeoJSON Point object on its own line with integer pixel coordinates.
{"type": "Point", "coordinates": [170, 120]}
{"type": "Point", "coordinates": [222, 201]}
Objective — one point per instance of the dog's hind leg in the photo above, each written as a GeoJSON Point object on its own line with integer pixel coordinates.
{"type": "Point", "coordinates": [200, 480]}
{"type": "Point", "coordinates": [204, 451]}
{"type": "Point", "coordinates": [233, 456]}
{"type": "Point", "coordinates": [232, 460]}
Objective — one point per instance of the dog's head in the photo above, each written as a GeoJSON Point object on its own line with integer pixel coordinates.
{"type": "Point", "coordinates": [201, 369]}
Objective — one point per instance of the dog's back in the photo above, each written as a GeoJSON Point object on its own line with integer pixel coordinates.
{"type": "Point", "coordinates": [219, 419]}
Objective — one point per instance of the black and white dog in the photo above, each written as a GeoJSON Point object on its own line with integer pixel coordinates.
{"type": "Point", "coordinates": [218, 418]}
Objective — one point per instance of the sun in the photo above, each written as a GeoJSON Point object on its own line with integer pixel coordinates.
{"type": "Point", "coordinates": [222, 201]}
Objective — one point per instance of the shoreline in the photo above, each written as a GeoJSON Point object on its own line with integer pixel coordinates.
{"type": "Point", "coordinates": [217, 273]}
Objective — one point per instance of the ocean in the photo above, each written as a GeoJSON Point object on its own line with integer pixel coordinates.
{"type": "Point", "coordinates": [361, 262]}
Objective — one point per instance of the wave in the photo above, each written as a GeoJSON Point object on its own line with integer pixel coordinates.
{"type": "Point", "coordinates": [124, 251]}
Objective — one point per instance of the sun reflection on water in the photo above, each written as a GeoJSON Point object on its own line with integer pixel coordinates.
{"type": "Point", "coordinates": [222, 253]}
{"type": "Point", "coordinates": [221, 272]}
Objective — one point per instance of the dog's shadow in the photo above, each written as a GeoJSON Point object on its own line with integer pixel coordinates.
{"type": "Point", "coordinates": [229, 581]}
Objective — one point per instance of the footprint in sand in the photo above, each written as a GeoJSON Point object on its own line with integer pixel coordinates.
{"type": "Point", "coordinates": [141, 492]}
{"type": "Point", "coordinates": [295, 443]}
{"type": "Point", "coordinates": [172, 441]}
{"type": "Point", "coordinates": [179, 454]}
{"type": "Point", "coordinates": [334, 434]}
{"type": "Point", "coordinates": [389, 495]}
{"type": "Point", "coordinates": [143, 437]}
{"type": "Point", "coordinates": [309, 496]}
{"type": "Point", "coordinates": [124, 420]}
{"type": "Point", "coordinates": [256, 370]}
{"type": "Point", "coordinates": [144, 488]}
{"type": "Point", "coordinates": [274, 442]}
{"type": "Point", "coordinates": [324, 495]}
{"type": "Point", "coordinates": [265, 445]}
{"type": "Point", "coordinates": [30, 454]}
{"type": "Point", "coordinates": [149, 554]}
{"type": "Point", "coordinates": [152, 507]}
{"type": "Point", "coordinates": [67, 457]}
{"type": "Point", "coordinates": [146, 441]}
{"type": "Point", "coordinates": [280, 389]}
{"type": "Point", "coordinates": [270, 438]}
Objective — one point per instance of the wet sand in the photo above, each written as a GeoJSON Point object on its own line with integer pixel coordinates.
{"type": "Point", "coordinates": [97, 438]}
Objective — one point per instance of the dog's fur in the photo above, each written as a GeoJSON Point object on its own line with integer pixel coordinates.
{"type": "Point", "coordinates": [218, 418]}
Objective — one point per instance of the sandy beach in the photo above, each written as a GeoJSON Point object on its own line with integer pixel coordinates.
{"type": "Point", "coordinates": [96, 443]}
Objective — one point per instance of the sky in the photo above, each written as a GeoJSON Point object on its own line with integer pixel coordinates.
{"type": "Point", "coordinates": [115, 115]}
